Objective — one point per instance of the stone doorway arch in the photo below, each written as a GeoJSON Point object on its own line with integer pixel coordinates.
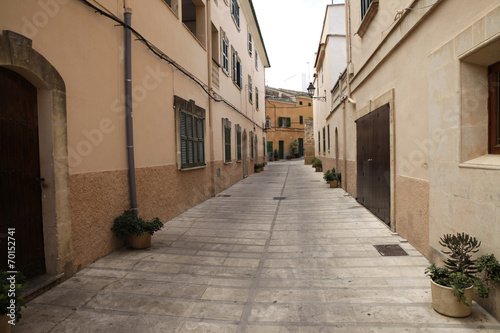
{"type": "Point", "coordinates": [17, 54]}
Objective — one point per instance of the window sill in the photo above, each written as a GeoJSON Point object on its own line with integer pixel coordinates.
{"type": "Point", "coordinates": [227, 163]}
{"type": "Point", "coordinates": [487, 162]}
{"type": "Point", "coordinates": [194, 168]}
{"type": "Point", "coordinates": [368, 18]}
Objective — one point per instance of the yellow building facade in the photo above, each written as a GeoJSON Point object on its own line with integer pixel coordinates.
{"type": "Point", "coordinates": [286, 112]}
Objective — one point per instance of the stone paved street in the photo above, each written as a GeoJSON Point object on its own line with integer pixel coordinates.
{"type": "Point", "coordinates": [248, 261]}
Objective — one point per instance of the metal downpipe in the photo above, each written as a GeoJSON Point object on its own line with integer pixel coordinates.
{"type": "Point", "coordinates": [128, 111]}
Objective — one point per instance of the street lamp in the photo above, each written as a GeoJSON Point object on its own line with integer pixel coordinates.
{"type": "Point", "coordinates": [310, 92]}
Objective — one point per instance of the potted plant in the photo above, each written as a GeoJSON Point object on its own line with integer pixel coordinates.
{"type": "Point", "coordinates": [11, 300]}
{"type": "Point", "coordinates": [312, 161]}
{"type": "Point", "coordinates": [452, 286]}
{"type": "Point", "coordinates": [331, 178]}
{"type": "Point", "coordinates": [339, 178]}
{"type": "Point", "coordinates": [138, 231]}
{"type": "Point", "coordinates": [257, 167]}
{"type": "Point", "coordinates": [294, 145]}
{"type": "Point", "coordinates": [318, 164]}
{"type": "Point", "coordinates": [276, 155]}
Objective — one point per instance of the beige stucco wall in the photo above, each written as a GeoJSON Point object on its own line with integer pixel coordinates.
{"type": "Point", "coordinates": [435, 62]}
{"type": "Point", "coordinates": [464, 178]}
{"type": "Point", "coordinates": [87, 50]}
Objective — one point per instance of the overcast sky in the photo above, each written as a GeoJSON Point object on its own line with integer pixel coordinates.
{"type": "Point", "coordinates": [291, 31]}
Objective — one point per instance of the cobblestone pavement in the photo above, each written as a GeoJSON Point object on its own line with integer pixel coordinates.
{"type": "Point", "coordinates": [279, 251]}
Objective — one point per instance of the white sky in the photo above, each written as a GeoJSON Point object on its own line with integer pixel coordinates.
{"type": "Point", "coordinates": [291, 31]}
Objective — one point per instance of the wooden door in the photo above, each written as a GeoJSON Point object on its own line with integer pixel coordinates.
{"type": "Point", "coordinates": [282, 149]}
{"type": "Point", "coordinates": [301, 146]}
{"type": "Point", "coordinates": [373, 162]}
{"type": "Point", "coordinates": [20, 190]}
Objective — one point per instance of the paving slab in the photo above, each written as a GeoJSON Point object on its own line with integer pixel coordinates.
{"type": "Point", "coordinates": [278, 252]}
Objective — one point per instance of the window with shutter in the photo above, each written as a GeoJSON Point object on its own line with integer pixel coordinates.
{"type": "Point", "coordinates": [235, 12]}
{"type": "Point", "coordinates": [288, 122]}
{"type": "Point", "coordinates": [251, 146]}
{"type": "Point", "coordinates": [250, 43]}
{"type": "Point", "coordinates": [225, 55]}
{"type": "Point", "coordinates": [191, 124]}
{"type": "Point", "coordinates": [250, 89]}
{"type": "Point", "coordinates": [238, 143]}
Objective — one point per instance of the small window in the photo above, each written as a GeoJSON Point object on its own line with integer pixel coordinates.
{"type": "Point", "coordinates": [225, 54]}
{"type": "Point", "coordinates": [301, 119]}
{"type": "Point", "coordinates": [238, 143]}
{"type": "Point", "coordinates": [365, 4]}
{"type": "Point", "coordinates": [250, 89]}
{"type": "Point", "coordinates": [191, 133]}
{"type": "Point", "coordinates": [235, 12]}
{"type": "Point", "coordinates": [324, 140]}
{"type": "Point", "coordinates": [308, 104]}
{"type": "Point", "coordinates": [173, 4]}
{"type": "Point", "coordinates": [251, 146]}
{"type": "Point", "coordinates": [237, 70]}
{"type": "Point", "coordinates": [250, 43]}
{"type": "Point", "coordinates": [256, 61]}
{"type": "Point", "coordinates": [494, 109]}
{"type": "Point", "coordinates": [285, 121]}
{"type": "Point", "coordinates": [215, 44]}
{"type": "Point", "coordinates": [256, 98]}
{"type": "Point", "coordinates": [328, 137]}
{"type": "Point", "coordinates": [319, 142]}
{"type": "Point", "coordinates": [227, 140]}
{"type": "Point", "coordinates": [193, 17]}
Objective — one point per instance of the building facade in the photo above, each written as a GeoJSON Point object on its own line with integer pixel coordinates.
{"type": "Point", "coordinates": [329, 65]}
{"type": "Point", "coordinates": [419, 101]}
{"type": "Point", "coordinates": [72, 73]}
{"type": "Point", "coordinates": [286, 114]}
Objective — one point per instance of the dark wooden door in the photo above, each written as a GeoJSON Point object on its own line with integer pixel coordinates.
{"type": "Point", "coordinates": [20, 190]}
{"type": "Point", "coordinates": [282, 149]}
{"type": "Point", "coordinates": [373, 163]}
{"type": "Point", "coordinates": [301, 146]}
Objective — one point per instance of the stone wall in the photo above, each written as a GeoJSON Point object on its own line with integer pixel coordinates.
{"type": "Point", "coordinates": [309, 140]}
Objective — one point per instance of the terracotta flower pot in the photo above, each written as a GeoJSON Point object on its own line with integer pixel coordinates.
{"type": "Point", "coordinates": [446, 303]}
{"type": "Point", "coordinates": [333, 183]}
{"type": "Point", "coordinates": [4, 324]}
{"type": "Point", "coordinates": [141, 242]}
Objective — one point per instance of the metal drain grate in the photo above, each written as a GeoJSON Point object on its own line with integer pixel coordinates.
{"type": "Point", "coordinates": [279, 198]}
{"type": "Point", "coordinates": [224, 195]}
{"type": "Point", "coordinates": [390, 250]}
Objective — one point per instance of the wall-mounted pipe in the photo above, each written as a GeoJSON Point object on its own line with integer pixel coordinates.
{"type": "Point", "coordinates": [128, 111]}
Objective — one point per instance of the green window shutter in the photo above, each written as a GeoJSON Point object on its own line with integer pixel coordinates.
{"type": "Point", "coordinates": [279, 122]}
{"type": "Point", "coordinates": [288, 122]}
{"type": "Point", "coordinates": [269, 146]}
{"type": "Point", "coordinates": [227, 141]}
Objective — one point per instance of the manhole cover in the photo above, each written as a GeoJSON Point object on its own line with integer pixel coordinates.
{"type": "Point", "coordinates": [390, 250]}
{"type": "Point", "coordinates": [279, 198]}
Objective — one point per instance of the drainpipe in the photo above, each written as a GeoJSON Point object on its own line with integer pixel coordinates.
{"type": "Point", "coordinates": [210, 101]}
{"type": "Point", "coordinates": [347, 7]}
{"type": "Point", "coordinates": [128, 110]}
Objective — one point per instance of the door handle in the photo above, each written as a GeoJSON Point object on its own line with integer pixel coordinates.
{"type": "Point", "coordinates": [370, 160]}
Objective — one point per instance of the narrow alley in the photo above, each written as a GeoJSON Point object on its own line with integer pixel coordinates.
{"type": "Point", "coordinates": [279, 251]}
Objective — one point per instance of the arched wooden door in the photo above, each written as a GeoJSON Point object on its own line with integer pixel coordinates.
{"type": "Point", "coordinates": [20, 181]}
